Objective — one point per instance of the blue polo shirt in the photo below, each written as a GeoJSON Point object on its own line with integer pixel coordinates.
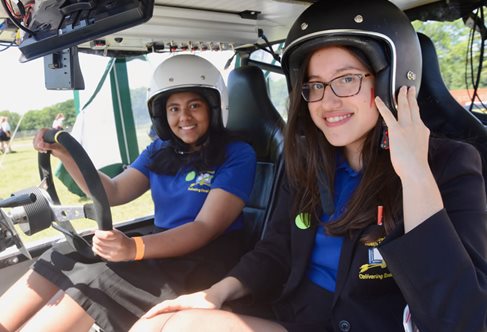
{"type": "Point", "coordinates": [179, 198]}
{"type": "Point", "coordinates": [323, 264]}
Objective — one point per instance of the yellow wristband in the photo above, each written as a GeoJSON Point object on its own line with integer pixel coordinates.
{"type": "Point", "coordinates": [139, 248]}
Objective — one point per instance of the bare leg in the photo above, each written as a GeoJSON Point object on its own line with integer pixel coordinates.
{"type": "Point", "coordinates": [21, 301]}
{"type": "Point", "coordinates": [153, 324]}
{"type": "Point", "coordinates": [202, 320]}
{"type": "Point", "coordinates": [61, 313]}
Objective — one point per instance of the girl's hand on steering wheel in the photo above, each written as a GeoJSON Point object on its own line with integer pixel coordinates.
{"type": "Point", "coordinates": [113, 245]}
{"type": "Point", "coordinates": [42, 146]}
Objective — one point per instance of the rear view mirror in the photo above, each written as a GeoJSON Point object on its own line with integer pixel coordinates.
{"type": "Point", "coordinates": [57, 25]}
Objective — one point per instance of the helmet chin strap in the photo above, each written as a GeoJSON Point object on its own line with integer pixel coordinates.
{"type": "Point", "coordinates": [182, 148]}
{"type": "Point", "coordinates": [181, 152]}
{"type": "Point", "coordinates": [372, 97]}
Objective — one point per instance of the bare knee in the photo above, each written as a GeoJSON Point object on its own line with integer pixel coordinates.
{"type": "Point", "coordinates": [191, 320]}
{"type": "Point", "coordinates": [61, 313]}
{"type": "Point", "coordinates": [24, 299]}
{"type": "Point", "coordinates": [155, 323]}
{"type": "Point", "coordinates": [186, 320]}
{"type": "Point", "coordinates": [205, 320]}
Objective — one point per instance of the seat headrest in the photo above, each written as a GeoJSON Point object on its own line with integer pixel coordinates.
{"type": "Point", "coordinates": [439, 110]}
{"type": "Point", "coordinates": [251, 112]}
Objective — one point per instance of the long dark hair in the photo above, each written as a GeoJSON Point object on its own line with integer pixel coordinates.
{"type": "Point", "coordinates": [308, 154]}
{"type": "Point", "coordinates": [177, 155]}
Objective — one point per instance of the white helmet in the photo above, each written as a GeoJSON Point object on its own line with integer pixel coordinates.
{"type": "Point", "coordinates": [186, 72]}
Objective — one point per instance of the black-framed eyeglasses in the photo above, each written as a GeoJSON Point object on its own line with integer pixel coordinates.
{"type": "Point", "coordinates": [342, 86]}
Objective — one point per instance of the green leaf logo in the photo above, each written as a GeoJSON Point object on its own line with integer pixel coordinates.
{"type": "Point", "coordinates": [190, 176]}
{"type": "Point", "coordinates": [303, 220]}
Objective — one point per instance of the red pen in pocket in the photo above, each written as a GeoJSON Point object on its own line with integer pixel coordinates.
{"type": "Point", "coordinates": [380, 209]}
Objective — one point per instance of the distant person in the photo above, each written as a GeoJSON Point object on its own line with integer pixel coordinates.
{"type": "Point", "coordinates": [5, 134]}
{"type": "Point", "coordinates": [58, 122]}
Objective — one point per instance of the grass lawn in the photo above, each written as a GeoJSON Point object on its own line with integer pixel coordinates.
{"type": "Point", "coordinates": [19, 171]}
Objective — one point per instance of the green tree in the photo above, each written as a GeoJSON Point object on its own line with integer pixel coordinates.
{"type": "Point", "coordinates": [36, 119]}
{"type": "Point", "coordinates": [452, 44]}
{"type": "Point", "coordinates": [279, 94]}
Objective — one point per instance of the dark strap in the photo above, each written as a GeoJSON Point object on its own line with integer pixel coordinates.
{"type": "Point", "coordinates": [326, 196]}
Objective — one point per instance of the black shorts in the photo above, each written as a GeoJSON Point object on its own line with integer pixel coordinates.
{"type": "Point", "coordinates": [115, 295]}
{"type": "Point", "coordinates": [307, 309]}
{"type": "Point", "coordinates": [4, 137]}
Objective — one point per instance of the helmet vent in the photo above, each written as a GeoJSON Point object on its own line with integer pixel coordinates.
{"type": "Point", "coordinates": [411, 75]}
{"type": "Point", "coordinates": [304, 26]}
{"type": "Point", "coordinates": [358, 19]}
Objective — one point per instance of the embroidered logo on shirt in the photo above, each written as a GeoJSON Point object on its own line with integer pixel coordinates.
{"type": "Point", "coordinates": [190, 176]}
{"type": "Point", "coordinates": [374, 243]}
{"type": "Point", "coordinates": [202, 182]}
{"type": "Point", "coordinates": [375, 261]}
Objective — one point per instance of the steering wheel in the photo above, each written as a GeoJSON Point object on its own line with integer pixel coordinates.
{"type": "Point", "coordinates": [99, 210]}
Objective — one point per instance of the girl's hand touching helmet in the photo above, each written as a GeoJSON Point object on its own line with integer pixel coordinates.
{"type": "Point", "coordinates": [408, 135]}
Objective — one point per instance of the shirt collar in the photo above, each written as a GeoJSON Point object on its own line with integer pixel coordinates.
{"type": "Point", "coordinates": [343, 166]}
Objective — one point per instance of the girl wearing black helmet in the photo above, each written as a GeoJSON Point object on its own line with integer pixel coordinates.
{"type": "Point", "coordinates": [378, 222]}
{"type": "Point", "coordinates": [200, 178]}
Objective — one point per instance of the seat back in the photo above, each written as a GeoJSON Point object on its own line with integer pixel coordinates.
{"type": "Point", "coordinates": [253, 116]}
{"type": "Point", "coordinates": [441, 113]}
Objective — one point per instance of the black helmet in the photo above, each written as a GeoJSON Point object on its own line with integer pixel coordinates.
{"type": "Point", "coordinates": [186, 72]}
{"type": "Point", "coordinates": [376, 28]}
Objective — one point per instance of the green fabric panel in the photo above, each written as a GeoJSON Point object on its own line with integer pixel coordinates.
{"type": "Point", "coordinates": [77, 105]}
{"type": "Point", "coordinates": [122, 110]}
{"type": "Point", "coordinates": [68, 181]}
{"type": "Point", "coordinates": [238, 61]}
{"type": "Point", "coordinates": [110, 170]}
{"type": "Point", "coordinates": [108, 69]}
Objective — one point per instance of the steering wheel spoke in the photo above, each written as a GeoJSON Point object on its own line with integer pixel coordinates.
{"type": "Point", "coordinates": [67, 212]}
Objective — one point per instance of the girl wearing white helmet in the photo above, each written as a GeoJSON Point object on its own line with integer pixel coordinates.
{"type": "Point", "coordinates": [376, 215]}
{"type": "Point", "coordinates": [200, 178]}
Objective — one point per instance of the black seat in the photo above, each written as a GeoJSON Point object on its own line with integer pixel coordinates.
{"type": "Point", "coordinates": [253, 116]}
{"type": "Point", "coordinates": [441, 112]}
